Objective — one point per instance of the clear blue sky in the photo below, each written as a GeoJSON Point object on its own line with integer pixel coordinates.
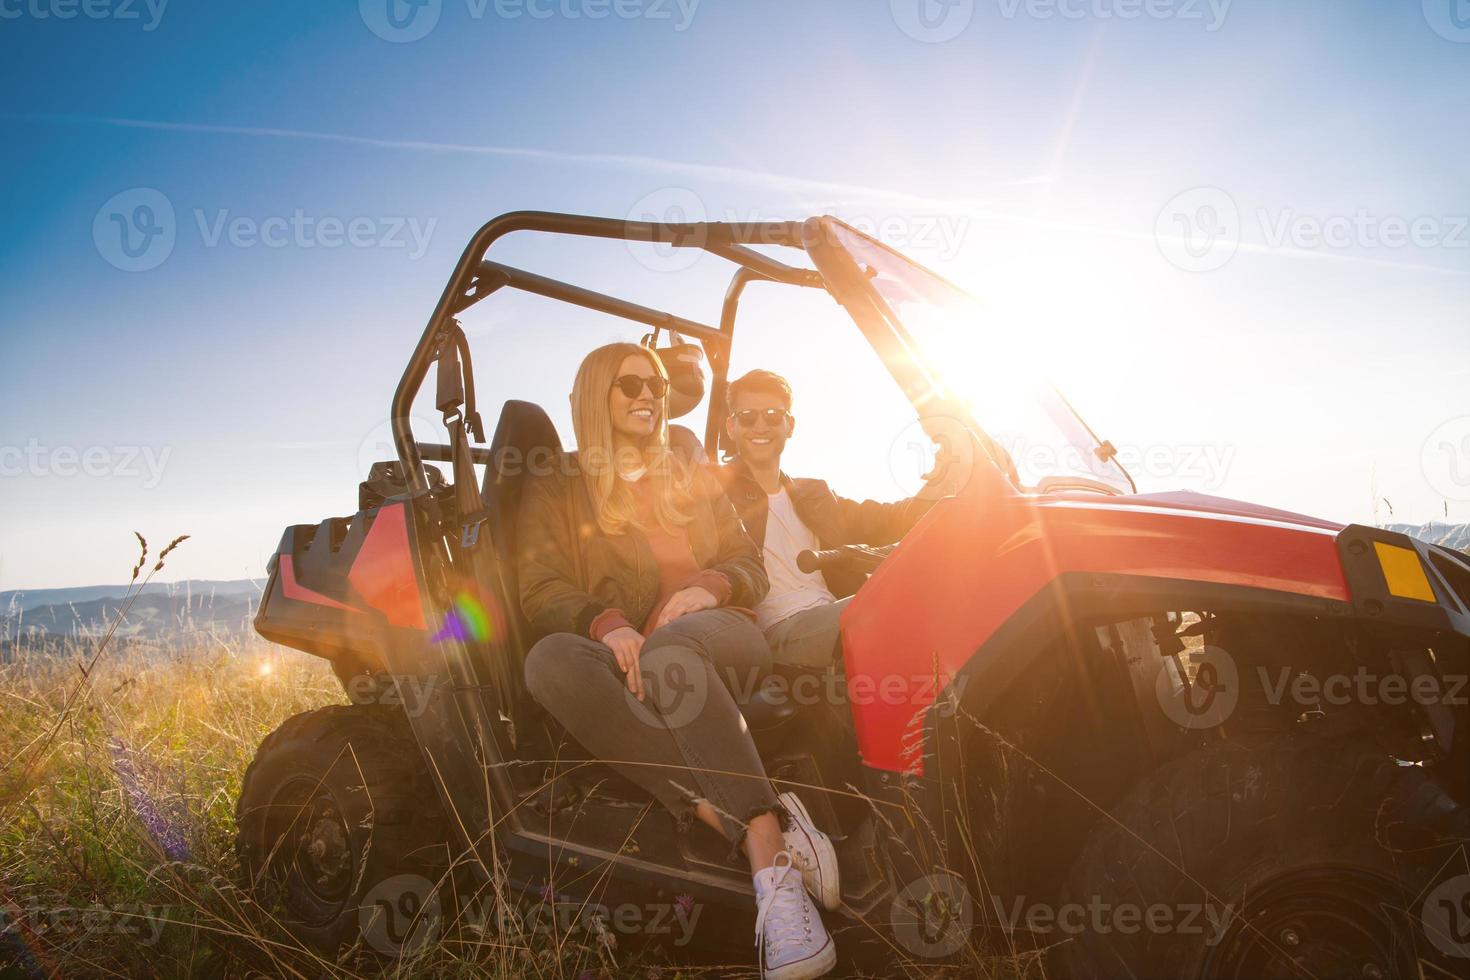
{"type": "Point", "coordinates": [1038, 155]}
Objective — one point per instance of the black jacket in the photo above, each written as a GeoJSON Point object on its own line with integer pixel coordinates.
{"type": "Point", "coordinates": [570, 572]}
{"type": "Point", "coordinates": [833, 519]}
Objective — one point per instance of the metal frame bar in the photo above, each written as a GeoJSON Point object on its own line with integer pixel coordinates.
{"type": "Point", "coordinates": [469, 284]}
{"type": "Point", "coordinates": [588, 299]}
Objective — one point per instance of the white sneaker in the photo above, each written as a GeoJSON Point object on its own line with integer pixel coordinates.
{"type": "Point", "coordinates": [812, 853]}
{"type": "Point", "coordinates": [793, 943]}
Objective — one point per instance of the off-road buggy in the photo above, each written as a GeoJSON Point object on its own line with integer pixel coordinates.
{"type": "Point", "coordinates": [1157, 734]}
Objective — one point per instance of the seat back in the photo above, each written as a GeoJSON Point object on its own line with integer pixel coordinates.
{"type": "Point", "coordinates": [683, 441]}
{"type": "Point", "coordinates": [525, 441]}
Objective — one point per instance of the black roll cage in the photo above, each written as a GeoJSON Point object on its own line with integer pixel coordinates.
{"type": "Point", "coordinates": [476, 277]}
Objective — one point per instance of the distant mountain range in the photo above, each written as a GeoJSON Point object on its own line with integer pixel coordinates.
{"type": "Point", "coordinates": [173, 611]}
{"type": "Point", "coordinates": [25, 599]}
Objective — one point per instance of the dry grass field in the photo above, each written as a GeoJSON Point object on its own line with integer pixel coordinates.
{"type": "Point", "coordinates": [120, 770]}
{"type": "Point", "coordinates": [117, 826]}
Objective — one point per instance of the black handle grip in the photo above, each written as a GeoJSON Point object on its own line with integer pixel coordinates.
{"type": "Point", "coordinates": [815, 561]}
{"type": "Point", "coordinates": [854, 556]}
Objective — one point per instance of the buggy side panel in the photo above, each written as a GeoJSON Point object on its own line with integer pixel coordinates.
{"type": "Point", "coordinates": [970, 566]}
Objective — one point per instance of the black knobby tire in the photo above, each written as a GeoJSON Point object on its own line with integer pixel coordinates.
{"type": "Point", "coordinates": [1292, 856]}
{"type": "Point", "coordinates": [340, 832]}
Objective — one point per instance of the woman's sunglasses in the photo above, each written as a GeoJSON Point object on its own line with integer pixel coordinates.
{"type": "Point", "coordinates": [747, 418]}
{"type": "Point", "coordinates": [631, 384]}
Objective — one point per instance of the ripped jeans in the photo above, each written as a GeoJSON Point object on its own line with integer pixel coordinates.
{"type": "Point", "coordinates": [687, 741]}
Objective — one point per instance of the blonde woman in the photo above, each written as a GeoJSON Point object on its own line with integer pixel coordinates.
{"type": "Point", "coordinates": [637, 574]}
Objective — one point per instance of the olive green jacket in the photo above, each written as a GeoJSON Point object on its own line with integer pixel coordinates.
{"type": "Point", "coordinates": [570, 572]}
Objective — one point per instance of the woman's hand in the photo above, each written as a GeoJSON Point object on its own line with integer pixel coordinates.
{"type": "Point", "coordinates": [627, 644]}
{"type": "Point", "coordinates": [686, 601]}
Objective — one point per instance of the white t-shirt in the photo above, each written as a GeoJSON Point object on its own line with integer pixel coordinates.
{"type": "Point", "coordinates": [792, 590]}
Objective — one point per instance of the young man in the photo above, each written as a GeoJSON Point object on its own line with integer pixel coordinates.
{"type": "Point", "coordinates": [786, 516]}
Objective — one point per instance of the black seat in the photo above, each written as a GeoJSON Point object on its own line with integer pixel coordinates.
{"type": "Point", "coordinates": [524, 442]}
{"type": "Point", "coordinates": [768, 708]}
{"type": "Point", "coordinates": [684, 442]}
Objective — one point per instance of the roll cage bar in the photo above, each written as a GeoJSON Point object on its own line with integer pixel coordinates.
{"type": "Point", "coordinates": [476, 278]}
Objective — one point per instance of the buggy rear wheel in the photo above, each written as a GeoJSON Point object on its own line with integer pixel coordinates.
{"type": "Point", "coordinates": [340, 833]}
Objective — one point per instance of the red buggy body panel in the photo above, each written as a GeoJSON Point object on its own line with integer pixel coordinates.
{"type": "Point", "coordinates": [968, 567]}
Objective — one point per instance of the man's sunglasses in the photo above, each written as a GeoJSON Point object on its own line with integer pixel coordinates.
{"type": "Point", "coordinates": [747, 418]}
{"type": "Point", "coordinates": [632, 384]}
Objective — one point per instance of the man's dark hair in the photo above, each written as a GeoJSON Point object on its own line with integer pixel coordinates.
{"type": "Point", "coordinates": [759, 380]}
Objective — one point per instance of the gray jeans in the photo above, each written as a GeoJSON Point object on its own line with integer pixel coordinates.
{"type": "Point", "coordinates": [687, 740]}
{"type": "Point", "coordinates": [808, 638]}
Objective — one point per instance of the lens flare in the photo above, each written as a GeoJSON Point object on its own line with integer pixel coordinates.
{"type": "Point", "coordinates": [467, 619]}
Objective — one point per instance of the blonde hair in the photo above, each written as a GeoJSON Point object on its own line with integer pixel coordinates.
{"type": "Point", "coordinates": [612, 501]}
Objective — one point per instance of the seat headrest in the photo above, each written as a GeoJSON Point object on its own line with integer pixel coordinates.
{"type": "Point", "coordinates": [524, 438]}
{"type": "Point", "coordinates": [687, 381]}
{"type": "Point", "coordinates": [687, 444]}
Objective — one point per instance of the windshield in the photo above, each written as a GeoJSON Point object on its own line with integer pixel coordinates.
{"type": "Point", "coordinates": [988, 370]}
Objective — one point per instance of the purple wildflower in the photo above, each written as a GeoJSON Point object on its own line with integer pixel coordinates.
{"type": "Point", "coordinates": [163, 831]}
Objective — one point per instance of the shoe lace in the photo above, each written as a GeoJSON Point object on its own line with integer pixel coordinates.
{"type": "Point", "coordinates": [784, 907]}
